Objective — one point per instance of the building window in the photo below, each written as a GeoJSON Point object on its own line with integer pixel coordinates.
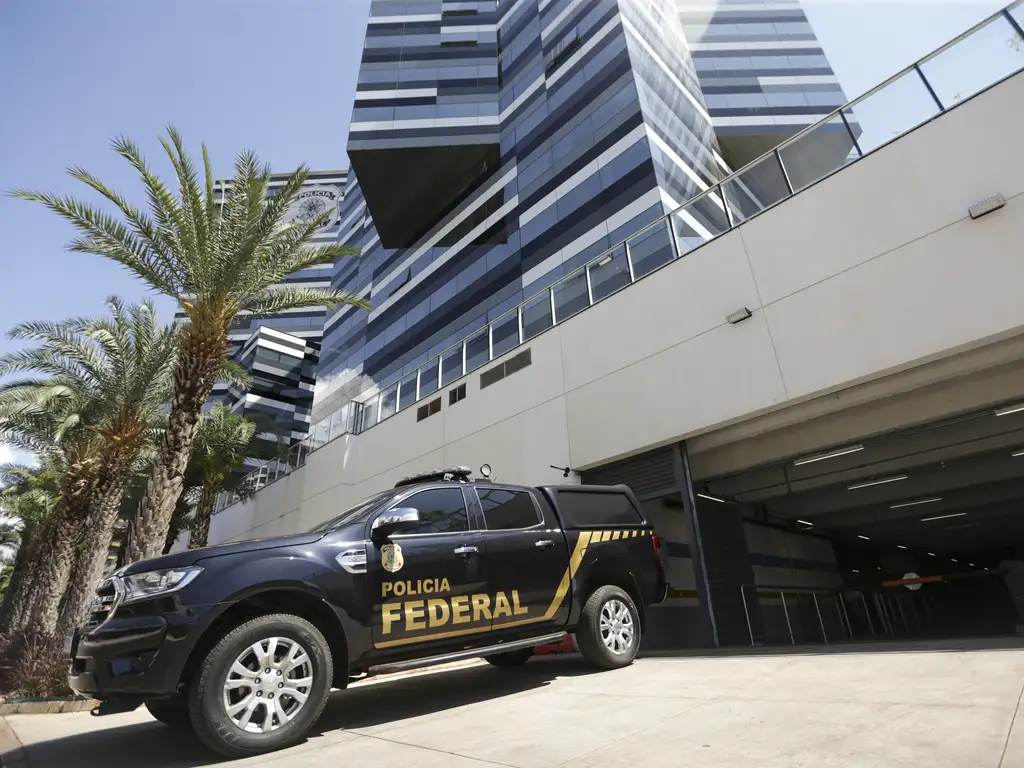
{"type": "Point", "coordinates": [459, 393]}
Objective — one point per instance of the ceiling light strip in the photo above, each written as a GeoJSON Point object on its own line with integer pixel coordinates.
{"type": "Point", "coordinates": [915, 503]}
{"type": "Point", "coordinates": [1018, 408]}
{"type": "Point", "coordinates": [829, 455]}
{"type": "Point", "coordinates": [942, 517]}
{"type": "Point", "coordinates": [880, 481]}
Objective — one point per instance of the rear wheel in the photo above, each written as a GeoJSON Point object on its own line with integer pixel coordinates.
{"type": "Point", "coordinates": [608, 634]}
{"type": "Point", "coordinates": [510, 659]}
{"type": "Point", "coordinates": [262, 687]}
{"type": "Point", "coordinates": [171, 710]}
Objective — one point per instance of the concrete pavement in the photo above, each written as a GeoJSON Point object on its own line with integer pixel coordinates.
{"type": "Point", "coordinates": [903, 708]}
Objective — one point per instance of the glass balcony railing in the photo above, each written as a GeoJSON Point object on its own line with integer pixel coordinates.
{"type": "Point", "coordinates": [981, 57]}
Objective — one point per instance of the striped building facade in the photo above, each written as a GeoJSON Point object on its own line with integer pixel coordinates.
{"type": "Point", "coordinates": [494, 148]}
{"type": "Point", "coordinates": [764, 77]}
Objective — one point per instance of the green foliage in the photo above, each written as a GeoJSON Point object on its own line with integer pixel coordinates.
{"type": "Point", "coordinates": [111, 375]}
{"type": "Point", "coordinates": [222, 442]}
{"type": "Point", "coordinates": [228, 249]}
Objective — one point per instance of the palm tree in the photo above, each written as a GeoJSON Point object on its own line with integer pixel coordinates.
{"type": "Point", "coordinates": [121, 368]}
{"type": "Point", "coordinates": [28, 496]}
{"type": "Point", "coordinates": [50, 422]}
{"type": "Point", "coordinates": [215, 257]}
{"type": "Point", "coordinates": [221, 443]}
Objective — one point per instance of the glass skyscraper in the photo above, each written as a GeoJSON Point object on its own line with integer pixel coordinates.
{"type": "Point", "coordinates": [763, 73]}
{"type": "Point", "coordinates": [494, 148]}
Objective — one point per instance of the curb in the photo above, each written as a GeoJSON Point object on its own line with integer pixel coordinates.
{"type": "Point", "coordinates": [51, 707]}
{"type": "Point", "coordinates": [12, 753]}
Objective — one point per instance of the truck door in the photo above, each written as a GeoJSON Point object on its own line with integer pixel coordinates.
{"type": "Point", "coordinates": [527, 558]}
{"type": "Point", "coordinates": [423, 579]}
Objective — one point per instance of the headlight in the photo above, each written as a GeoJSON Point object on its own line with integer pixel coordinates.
{"type": "Point", "coordinates": [155, 583]}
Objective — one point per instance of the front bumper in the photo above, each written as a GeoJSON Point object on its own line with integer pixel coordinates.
{"type": "Point", "coordinates": [125, 657]}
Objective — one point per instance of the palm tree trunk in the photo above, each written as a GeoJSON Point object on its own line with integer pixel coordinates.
{"type": "Point", "coordinates": [17, 584]}
{"type": "Point", "coordinates": [178, 524]}
{"type": "Point", "coordinates": [196, 373]}
{"type": "Point", "coordinates": [22, 599]}
{"type": "Point", "coordinates": [57, 558]}
{"type": "Point", "coordinates": [204, 511]}
{"type": "Point", "coordinates": [92, 557]}
{"type": "Point", "coordinates": [56, 553]}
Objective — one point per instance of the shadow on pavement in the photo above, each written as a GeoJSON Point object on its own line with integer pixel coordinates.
{"type": "Point", "coordinates": [152, 745]}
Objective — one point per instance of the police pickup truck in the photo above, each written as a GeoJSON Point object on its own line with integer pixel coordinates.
{"type": "Point", "coordinates": [243, 642]}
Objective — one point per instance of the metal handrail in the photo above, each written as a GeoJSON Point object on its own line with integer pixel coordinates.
{"type": "Point", "coordinates": [715, 192]}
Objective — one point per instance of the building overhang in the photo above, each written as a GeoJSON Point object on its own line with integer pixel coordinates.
{"type": "Point", "coordinates": [408, 189]}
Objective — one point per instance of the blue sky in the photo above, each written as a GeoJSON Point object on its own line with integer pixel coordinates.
{"type": "Point", "coordinates": [276, 76]}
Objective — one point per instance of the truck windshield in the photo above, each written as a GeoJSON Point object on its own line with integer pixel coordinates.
{"type": "Point", "coordinates": [352, 514]}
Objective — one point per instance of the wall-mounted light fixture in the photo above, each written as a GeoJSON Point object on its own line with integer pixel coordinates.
{"type": "Point", "coordinates": [987, 205]}
{"type": "Point", "coordinates": [739, 315]}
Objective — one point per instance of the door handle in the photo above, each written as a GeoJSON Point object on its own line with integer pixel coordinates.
{"type": "Point", "coordinates": [466, 551]}
{"type": "Point", "coordinates": [544, 544]}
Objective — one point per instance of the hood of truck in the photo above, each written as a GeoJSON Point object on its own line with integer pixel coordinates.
{"type": "Point", "coordinates": [193, 556]}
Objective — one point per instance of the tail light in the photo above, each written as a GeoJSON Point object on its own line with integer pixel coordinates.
{"type": "Point", "coordinates": [657, 544]}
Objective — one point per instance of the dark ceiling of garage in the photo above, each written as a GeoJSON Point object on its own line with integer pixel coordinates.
{"type": "Point", "coordinates": [953, 486]}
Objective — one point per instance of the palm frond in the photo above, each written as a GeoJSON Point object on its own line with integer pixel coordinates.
{"type": "Point", "coordinates": [104, 235]}
{"type": "Point", "coordinates": [234, 374]}
{"type": "Point", "coordinates": [292, 297]}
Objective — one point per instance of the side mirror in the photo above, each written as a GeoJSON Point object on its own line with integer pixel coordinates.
{"type": "Point", "coordinates": [394, 521]}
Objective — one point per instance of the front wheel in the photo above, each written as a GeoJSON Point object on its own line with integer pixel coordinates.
{"type": "Point", "coordinates": [170, 710]}
{"type": "Point", "coordinates": [608, 634]}
{"type": "Point", "coordinates": [262, 687]}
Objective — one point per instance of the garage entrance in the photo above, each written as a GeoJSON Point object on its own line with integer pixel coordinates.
{"type": "Point", "coordinates": [914, 533]}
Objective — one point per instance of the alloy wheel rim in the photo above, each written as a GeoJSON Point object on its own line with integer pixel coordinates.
{"type": "Point", "coordinates": [617, 627]}
{"type": "Point", "coordinates": [268, 685]}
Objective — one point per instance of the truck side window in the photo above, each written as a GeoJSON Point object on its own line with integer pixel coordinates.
{"type": "Point", "coordinates": [442, 510]}
{"type": "Point", "coordinates": [508, 510]}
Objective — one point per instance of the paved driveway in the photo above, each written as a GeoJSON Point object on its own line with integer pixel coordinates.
{"type": "Point", "coordinates": [923, 708]}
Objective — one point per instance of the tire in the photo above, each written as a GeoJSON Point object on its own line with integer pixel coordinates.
{"type": "Point", "coordinates": [509, 659]}
{"type": "Point", "coordinates": [209, 695]}
{"type": "Point", "coordinates": [591, 638]}
{"type": "Point", "coordinates": [172, 711]}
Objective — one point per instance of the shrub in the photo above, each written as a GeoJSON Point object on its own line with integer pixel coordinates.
{"type": "Point", "coordinates": [33, 666]}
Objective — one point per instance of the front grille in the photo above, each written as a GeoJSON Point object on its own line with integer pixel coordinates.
{"type": "Point", "coordinates": [105, 603]}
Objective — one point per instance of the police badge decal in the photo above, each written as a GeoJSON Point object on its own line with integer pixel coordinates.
{"type": "Point", "coordinates": [391, 558]}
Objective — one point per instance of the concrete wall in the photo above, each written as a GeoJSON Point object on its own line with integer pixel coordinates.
{"type": "Point", "coordinates": [872, 271]}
